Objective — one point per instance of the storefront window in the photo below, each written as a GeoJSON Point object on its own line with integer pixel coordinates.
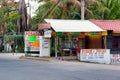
{"type": "Point", "coordinates": [69, 42]}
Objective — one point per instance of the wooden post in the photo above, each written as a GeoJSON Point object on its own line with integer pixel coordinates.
{"type": "Point", "coordinates": [105, 42]}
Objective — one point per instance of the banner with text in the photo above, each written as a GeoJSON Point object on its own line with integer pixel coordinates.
{"type": "Point", "coordinates": [95, 55]}
{"type": "Point", "coordinates": [115, 58]}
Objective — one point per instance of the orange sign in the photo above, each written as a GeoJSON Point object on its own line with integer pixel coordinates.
{"type": "Point", "coordinates": [35, 44]}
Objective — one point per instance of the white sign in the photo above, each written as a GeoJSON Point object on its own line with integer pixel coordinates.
{"type": "Point", "coordinates": [40, 48]}
{"type": "Point", "coordinates": [44, 47]}
{"type": "Point", "coordinates": [95, 55]}
{"type": "Point", "coordinates": [47, 33]}
{"type": "Point", "coordinates": [115, 58]}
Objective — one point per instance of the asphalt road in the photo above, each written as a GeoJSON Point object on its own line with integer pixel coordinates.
{"type": "Point", "coordinates": [15, 69]}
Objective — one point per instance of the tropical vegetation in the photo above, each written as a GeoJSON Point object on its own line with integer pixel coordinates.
{"type": "Point", "coordinates": [12, 22]}
{"type": "Point", "coordinates": [8, 15]}
{"type": "Point", "coordinates": [71, 9]}
{"type": "Point", "coordinates": [54, 9]}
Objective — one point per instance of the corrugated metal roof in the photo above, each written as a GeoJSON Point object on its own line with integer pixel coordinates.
{"type": "Point", "coordinates": [44, 26]}
{"type": "Point", "coordinates": [108, 24]}
{"type": "Point", "coordinates": [73, 25]}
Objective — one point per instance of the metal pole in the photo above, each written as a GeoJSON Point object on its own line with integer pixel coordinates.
{"type": "Point", "coordinates": [56, 47]}
{"type": "Point", "coordinates": [82, 9]}
{"type": "Point", "coordinates": [16, 47]}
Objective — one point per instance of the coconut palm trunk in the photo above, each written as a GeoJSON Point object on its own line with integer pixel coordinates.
{"type": "Point", "coordinates": [82, 9]}
{"type": "Point", "coordinates": [22, 22]}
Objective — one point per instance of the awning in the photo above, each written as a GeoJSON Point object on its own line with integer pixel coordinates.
{"type": "Point", "coordinates": [73, 25]}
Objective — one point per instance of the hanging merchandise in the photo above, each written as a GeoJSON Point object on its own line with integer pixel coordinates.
{"type": "Point", "coordinates": [87, 33]}
{"type": "Point", "coordinates": [104, 33]}
{"type": "Point", "coordinates": [65, 33]}
{"type": "Point", "coordinates": [93, 33]}
{"type": "Point", "coordinates": [59, 34]}
{"type": "Point", "coordinates": [99, 33]}
{"type": "Point", "coordinates": [70, 33]}
{"type": "Point", "coordinates": [76, 34]}
{"type": "Point", "coordinates": [82, 33]}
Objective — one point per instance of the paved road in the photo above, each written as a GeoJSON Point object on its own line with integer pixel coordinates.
{"type": "Point", "coordinates": [15, 69]}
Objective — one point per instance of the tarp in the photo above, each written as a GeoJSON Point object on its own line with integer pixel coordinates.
{"type": "Point", "coordinates": [73, 25]}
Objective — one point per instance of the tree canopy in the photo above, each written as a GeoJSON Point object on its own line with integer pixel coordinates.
{"type": "Point", "coordinates": [64, 9]}
{"type": "Point", "coordinates": [8, 15]}
{"type": "Point", "coordinates": [61, 9]}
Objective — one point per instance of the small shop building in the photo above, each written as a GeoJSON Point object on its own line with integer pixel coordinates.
{"type": "Point", "coordinates": [70, 36]}
{"type": "Point", "coordinates": [112, 39]}
{"type": "Point", "coordinates": [88, 40]}
{"type": "Point", "coordinates": [37, 43]}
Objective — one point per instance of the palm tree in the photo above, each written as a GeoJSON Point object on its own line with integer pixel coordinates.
{"type": "Point", "coordinates": [65, 9]}
{"type": "Point", "coordinates": [114, 9]}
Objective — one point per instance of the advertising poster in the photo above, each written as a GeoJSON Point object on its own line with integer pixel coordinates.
{"type": "Point", "coordinates": [31, 41]}
{"type": "Point", "coordinates": [95, 55]}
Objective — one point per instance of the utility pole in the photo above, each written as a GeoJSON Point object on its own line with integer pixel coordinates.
{"type": "Point", "coordinates": [82, 9]}
{"type": "Point", "coordinates": [29, 15]}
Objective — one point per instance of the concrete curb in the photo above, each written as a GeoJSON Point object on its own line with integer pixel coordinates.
{"type": "Point", "coordinates": [11, 55]}
{"type": "Point", "coordinates": [36, 58]}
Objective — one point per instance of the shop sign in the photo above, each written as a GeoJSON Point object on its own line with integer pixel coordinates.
{"type": "Point", "coordinates": [44, 48]}
{"type": "Point", "coordinates": [115, 58]}
{"type": "Point", "coordinates": [95, 55]}
{"type": "Point", "coordinates": [31, 41]}
{"type": "Point", "coordinates": [31, 33]}
{"type": "Point", "coordinates": [47, 33]}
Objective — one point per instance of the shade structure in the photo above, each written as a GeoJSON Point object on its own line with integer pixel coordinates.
{"type": "Point", "coordinates": [73, 25]}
